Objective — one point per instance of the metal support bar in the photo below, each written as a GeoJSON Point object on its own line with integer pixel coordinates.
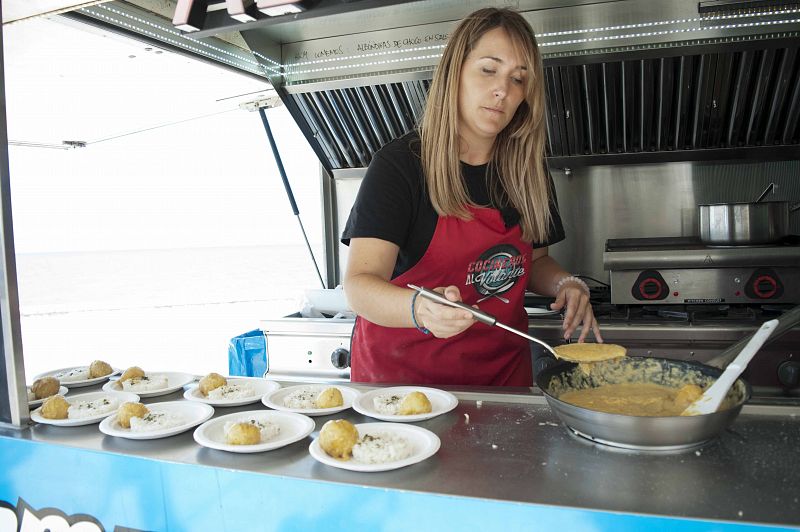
{"type": "Point", "coordinates": [13, 396]}
{"type": "Point", "coordinates": [288, 187]}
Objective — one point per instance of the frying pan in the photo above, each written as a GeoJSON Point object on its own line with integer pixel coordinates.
{"type": "Point", "coordinates": [650, 433]}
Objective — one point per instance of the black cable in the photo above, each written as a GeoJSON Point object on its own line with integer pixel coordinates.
{"type": "Point", "coordinates": [586, 277]}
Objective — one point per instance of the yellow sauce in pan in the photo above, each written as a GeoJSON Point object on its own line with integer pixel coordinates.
{"type": "Point", "coordinates": [641, 399]}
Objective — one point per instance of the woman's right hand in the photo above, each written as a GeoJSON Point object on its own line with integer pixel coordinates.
{"type": "Point", "coordinates": [443, 321]}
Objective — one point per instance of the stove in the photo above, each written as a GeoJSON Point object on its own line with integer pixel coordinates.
{"type": "Point", "coordinates": [685, 271]}
{"type": "Point", "coordinates": [300, 348]}
{"type": "Point", "coordinates": [310, 349]}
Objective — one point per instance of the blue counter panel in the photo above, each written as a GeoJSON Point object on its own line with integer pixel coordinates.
{"type": "Point", "coordinates": [147, 494]}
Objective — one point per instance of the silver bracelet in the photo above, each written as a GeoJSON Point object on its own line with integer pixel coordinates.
{"type": "Point", "coordinates": [423, 330]}
{"type": "Point", "coordinates": [573, 279]}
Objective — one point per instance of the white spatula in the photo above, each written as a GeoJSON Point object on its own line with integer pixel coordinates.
{"type": "Point", "coordinates": [712, 398]}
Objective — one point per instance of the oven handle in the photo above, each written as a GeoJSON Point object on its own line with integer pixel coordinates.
{"type": "Point", "coordinates": [786, 321]}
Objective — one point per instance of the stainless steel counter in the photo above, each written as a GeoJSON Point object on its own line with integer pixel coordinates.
{"type": "Point", "coordinates": [510, 446]}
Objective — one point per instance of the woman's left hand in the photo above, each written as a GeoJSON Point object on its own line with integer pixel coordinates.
{"type": "Point", "coordinates": [579, 311]}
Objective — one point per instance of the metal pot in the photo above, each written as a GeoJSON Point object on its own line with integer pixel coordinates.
{"type": "Point", "coordinates": [736, 224]}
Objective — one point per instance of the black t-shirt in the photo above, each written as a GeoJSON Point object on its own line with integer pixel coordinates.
{"type": "Point", "coordinates": [393, 203]}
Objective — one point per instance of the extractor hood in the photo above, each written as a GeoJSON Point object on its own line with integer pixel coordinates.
{"type": "Point", "coordinates": [627, 81]}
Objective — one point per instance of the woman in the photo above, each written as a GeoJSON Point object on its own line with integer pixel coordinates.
{"type": "Point", "coordinates": [464, 206]}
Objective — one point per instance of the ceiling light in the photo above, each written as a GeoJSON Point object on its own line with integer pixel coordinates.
{"type": "Point", "coordinates": [242, 10]}
{"type": "Point", "coordinates": [190, 15]}
{"type": "Point", "coordinates": [275, 8]}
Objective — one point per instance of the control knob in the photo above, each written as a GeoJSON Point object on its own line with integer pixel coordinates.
{"type": "Point", "coordinates": [789, 373]}
{"type": "Point", "coordinates": [340, 358]}
{"type": "Point", "coordinates": [764, 284]}
{"type": "Point", "coordinates": [650, 286]}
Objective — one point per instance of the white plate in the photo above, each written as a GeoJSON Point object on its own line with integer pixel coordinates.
{"type": "Point", "coordinates": [260, 386]}
{"type": "Point", "coordinates": [62, 390]}
{"type": "Point", "coordinates": [441, 402]}
{"type": "Point", "coordinates": [294, 427]}
{"type": "Point", "coordinates": [538, 311]}
{"type": "Point", "coordinates": [121, 397]}
{"type": "Point", "coordinates": [175, 381]}
{"type": "Point", "coordinates": [423, 442]}
{"type": "Point", "coordinates": [275, 399]}
{"type": "Point", "coordinates": [192, 413]}
{"type": "Point", "coordinates": [78, 384]}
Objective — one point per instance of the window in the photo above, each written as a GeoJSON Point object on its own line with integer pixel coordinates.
{"type": "Point", "coordinates": [170, 231]}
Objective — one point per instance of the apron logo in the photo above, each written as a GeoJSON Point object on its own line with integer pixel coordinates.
{"type": "Point", "coordinates": [496, 271]}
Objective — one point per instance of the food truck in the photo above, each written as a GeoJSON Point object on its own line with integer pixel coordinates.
{"type": "Point", "coordinates": [660, 116]}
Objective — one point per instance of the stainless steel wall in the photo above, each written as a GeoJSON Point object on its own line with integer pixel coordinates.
{"type": "Point", "coordinates": [346, 185]}
{"type": "Point", "coordinates": [602, 202]}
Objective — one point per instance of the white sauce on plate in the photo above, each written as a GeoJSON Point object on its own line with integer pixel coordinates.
{"type": "Point", "coordinates": [387, 404]}
{"type": "Point", "coordinates": [381, 447]}
{"type": "Point", "coordinates": [155, 421]}
{"type": "Point", "coordinates": [302, 398]}
{"type": "Point", "coordinates": [73, 375]}
{"type": "Point", "coordinates": [96, 407]}
{"type": "Point", "coordinates": [232, 391]}
{"type": "Point", "coordinates": [144, 384]}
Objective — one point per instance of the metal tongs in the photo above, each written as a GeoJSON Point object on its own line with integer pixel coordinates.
{"type": "Point", "coordinates": [481, 316]}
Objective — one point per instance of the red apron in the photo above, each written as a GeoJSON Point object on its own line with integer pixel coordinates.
{"type": "Point", "coordinates": [489, 263]}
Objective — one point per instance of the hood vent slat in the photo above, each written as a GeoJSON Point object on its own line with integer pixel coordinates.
{"type": "Point", "coordinates": [361, 122]}
{"type": "Point", "coordinates": [707, 101]}
{"type": "Point", "coordinates": [383, 109]}
{"type": "Point", "coordinates": [792, 116]}
{"type": "Point", "coordinates": [368, 109]}
{"type": "Point", "coordinates": [319, 135]}
{"type": "Point", "coordinates": [786, 74]}
{"type": "Point", "coordinates": [351, 124]}
{"type": "Point", "coordinates": [669, 107]}
{"type": "Point", "coordinates": [332, 126]}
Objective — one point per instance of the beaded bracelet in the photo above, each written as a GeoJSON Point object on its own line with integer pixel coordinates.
{"type": "Point", "coordinates": [573, 279]}
{"type": "Point", "coordinates": [414, 316]}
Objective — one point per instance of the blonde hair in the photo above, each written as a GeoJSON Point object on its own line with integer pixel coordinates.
{"type": "Point", "coordinates": [517, 158]}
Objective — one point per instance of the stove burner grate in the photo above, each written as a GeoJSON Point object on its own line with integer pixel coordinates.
{"type": "Point", "coordinates": [685, 243]}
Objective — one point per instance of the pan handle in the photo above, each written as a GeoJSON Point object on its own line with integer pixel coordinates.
{"type": "Point", "coordinates": [786, 321]}
{"type": "Point", "coordinates": [771, 187]}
